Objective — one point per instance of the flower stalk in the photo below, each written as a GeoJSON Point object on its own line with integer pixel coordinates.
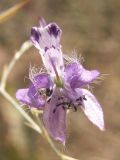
{"type": "Point", "coordinates": [8, 68]}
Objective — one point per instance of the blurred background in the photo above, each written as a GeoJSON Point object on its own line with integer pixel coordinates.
{"type": "Point", "coordinates": [92, 28]}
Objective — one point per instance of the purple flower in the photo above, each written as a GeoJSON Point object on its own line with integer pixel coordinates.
{"type": "Point", "coordinates": [61, 87]}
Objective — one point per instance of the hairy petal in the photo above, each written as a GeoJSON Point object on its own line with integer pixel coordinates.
{"type": "Point", "coordinates": [42, 80]}
{"type": "Point", "coordinates": [78, 76]}
{"type": "Point", "coordinates": [92, 109]}
{"type": "Point", "coordinates": [72, 73]}
{"type": "Point", "coordinates": [73, 69]}
{"type": "Point", "coordinates": [30, 97]}
{"type": "Point", "coordinates": [22, 96]}
{"type": "Point", "coordinates": [55, 122]}
{"type": "Point", "coordinates": [87, 77]}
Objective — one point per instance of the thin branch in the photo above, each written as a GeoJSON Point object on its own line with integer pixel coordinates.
{"type": "Point", "coordinates": [7, 69]}
{"type": "Point", "coordinates": [22, 112]}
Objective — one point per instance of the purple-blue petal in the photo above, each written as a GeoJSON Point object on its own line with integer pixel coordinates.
{"type": "Point", "coordinates": [88, 76]}
{"type": "Point", "coordinates": [35, 34]}
{"type": "Point", "coordinates": [77, 76]}
{"type": "Point", "coordinates": [55, 121]}
{"type": "Point", "coordinates": [35, 37]}
{"type": "Point", "coordinates": [36, 99]}
{"type": "Point", "coordinates": [73, 69]}
{"type": "Point", "coordinates": [22, 96]}
{"type": "Point", "coordinates": [29, 96]}
{"type": "Point", "coordinates": [42, 80]}
{"type": "Point", "coordinates": [54, 30]}
{"type": "Point", "coordinates": [92, 109]}
{"type": "Point", "coordinates": [46, 36]}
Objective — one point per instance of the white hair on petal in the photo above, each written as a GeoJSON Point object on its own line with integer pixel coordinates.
{"type": "Point", "coordinates": [33, 70]}
{"type": "Point", "coordinates": [99, 79]}
{"type": "Point", "coordinates": [74, 57]}
{"type": "Point", "coordinates": [90, 88]}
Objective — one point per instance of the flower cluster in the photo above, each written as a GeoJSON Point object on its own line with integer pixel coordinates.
{"type": "Point", "coordinates": [61, 87]}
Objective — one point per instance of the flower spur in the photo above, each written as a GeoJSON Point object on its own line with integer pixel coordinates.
{"type": "Point", "coordinates": [61, 87]}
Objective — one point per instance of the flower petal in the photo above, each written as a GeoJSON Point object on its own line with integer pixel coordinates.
{"type": "Point", "coordinates": [35, 37]}
{"type": "Point", "coordinates": [92, 109]}
{"type": "Point", "coordinates": [22, 96]}
{"type": "Point", "coordinates": [53, 62]}
{"type": "Point", "coordinates": [42, 81]}
{"type": "Point", "coordinates": [46, 37]}
{"type": "Point", "coordinates": [72, 74]}
{"type": "Point", "coordinates": [55, 122]}
{"type": "Point", "coordinates": [73, 69]}
{"type": "Point", "coordinates": [30, 97]}
{"type": "Point", "coordinates": [35, 97]}
{"type": "Point", "coordinates": [88, 76]}
{"type": "Point", "coordinates": [78, 76]}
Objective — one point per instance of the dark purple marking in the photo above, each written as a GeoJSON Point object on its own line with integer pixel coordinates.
{"type": "Point", "coordinates": [79, 99]}
{"type": "Point", "coordinates": [46, 48]}
{"type": "Point", "coordinates": [54, 30]}
{"type": "Point", "coordinates": [53, 46]}
{"type": "Point", "coordinates": [35, 34]}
